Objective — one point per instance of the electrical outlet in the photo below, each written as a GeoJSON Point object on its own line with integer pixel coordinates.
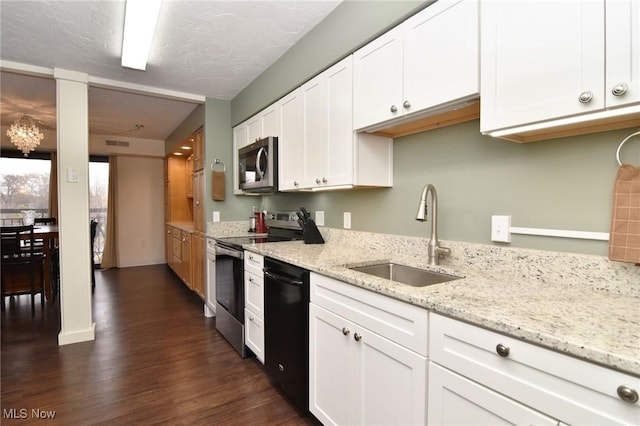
{"type": "Point", "coordinates": [347, 220]}
{"type": "Point", "coordinates": [319, 218]}
{"type": "Point", "coordinates": [216, 216]}
{"type": "Point", "coordinates": [500, 229]}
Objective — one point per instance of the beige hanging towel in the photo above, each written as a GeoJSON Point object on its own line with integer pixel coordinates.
{"type": "Point", "coordinates": [624, 238]}
{"type": "Point", "coordinates": [217, 186]}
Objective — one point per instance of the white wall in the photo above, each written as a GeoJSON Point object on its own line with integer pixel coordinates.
{"type": "Point", "coordinates": [140, 211]}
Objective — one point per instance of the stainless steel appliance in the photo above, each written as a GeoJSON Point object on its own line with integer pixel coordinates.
{"type": "Point", "coordinates": [258, 166]}
{"type": "Point", "coordinates": [286, 327]}
{"type": "Point", "coordinates": [229, 274]}
{"type": "Point", "coordinates": [210, 290]}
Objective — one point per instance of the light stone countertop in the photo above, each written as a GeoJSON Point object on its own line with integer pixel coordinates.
{"type": "Point", "coordinates": [584, 306]}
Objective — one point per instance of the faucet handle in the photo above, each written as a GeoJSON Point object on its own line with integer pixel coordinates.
{"type": "Point", "coordinates": [443, 251]}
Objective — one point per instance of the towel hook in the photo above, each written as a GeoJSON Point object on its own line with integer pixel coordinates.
{"type": "Point", "coordinates": [216, 162]}
{"type": "Point", "coordinates": [622, 143]}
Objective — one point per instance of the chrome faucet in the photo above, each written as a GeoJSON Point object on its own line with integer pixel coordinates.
{"type": "Point", "coordinates": [434, 250]}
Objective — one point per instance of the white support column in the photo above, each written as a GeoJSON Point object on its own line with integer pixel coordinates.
{"type": "Point", "coordinates": [73, 201]}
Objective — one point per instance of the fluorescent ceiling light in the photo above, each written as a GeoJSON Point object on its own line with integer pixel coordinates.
{"type": "Point", "coordinates": [140, 18]}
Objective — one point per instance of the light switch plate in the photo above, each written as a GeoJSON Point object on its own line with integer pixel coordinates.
{"type": "Point", "coordinates": [320, 218]}
{"type": "Point", "coordinates": [72, 175]}
{"type": "Point", "coordinates": [216, 216]}
{"type": "Point", "coordinates": [500, 229]}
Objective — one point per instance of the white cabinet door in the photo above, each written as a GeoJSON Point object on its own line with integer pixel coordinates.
{"type": "Point", "coordinates": [357, 377]}
{"type": "Point", "coordinates": [539, 59]}
{"type": "Point", "coordinates": [329, 369]}
{"type": "Point", "coordinates": [270, 118]}
{"type": "Point", "coordinates": [622, 52]}
{"type": "Point", "coordinates": [455, 400]}
{"type": "Point", "coordinates": [254, 129]}
{"type": "Point", "coordinates": [377, 81]}
{"type": "Point", "coordinates": [290, 143]}
{"type": "Point", "coordinates": [314, 119]}
{"type": "Point", "coordinates": [391, 381]}
{"type": "Point", "coordinates": [254, 334]}
{"type": "Point", "coordinates": [441, 59]}
{"type": "Point", "coordinates": [328, 127]}
{"type": "Point", "coordinates": [339, 169]}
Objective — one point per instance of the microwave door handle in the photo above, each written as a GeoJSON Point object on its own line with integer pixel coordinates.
{"type": "Point", "coordinates": [258, 155]}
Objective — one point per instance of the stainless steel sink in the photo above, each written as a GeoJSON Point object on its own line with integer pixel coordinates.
{"type": "Point", "coordinates": [405, 274]}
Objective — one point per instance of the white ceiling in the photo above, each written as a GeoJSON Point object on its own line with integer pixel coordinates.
{"type": "Point", "coordinates": [209, 48]}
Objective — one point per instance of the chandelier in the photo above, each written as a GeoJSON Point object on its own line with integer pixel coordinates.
{"type": "Point", "coordinates": [25, 134]}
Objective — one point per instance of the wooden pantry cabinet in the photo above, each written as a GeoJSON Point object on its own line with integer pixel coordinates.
{"type": "Point", "coordinates": [184, 214]}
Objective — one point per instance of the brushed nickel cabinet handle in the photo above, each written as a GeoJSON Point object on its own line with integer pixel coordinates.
{"type": "Point", "coordinates": [345, 331]}
{"type": "Point", "coordinates": [619, 89]}
{"type": "Point", "coordinates": [585, 97]}
{"type": "Point", "coordinates": [627, 394]}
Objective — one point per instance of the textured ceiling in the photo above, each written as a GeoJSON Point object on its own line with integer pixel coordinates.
{"type": "Point", "coordinates": [211, 48]}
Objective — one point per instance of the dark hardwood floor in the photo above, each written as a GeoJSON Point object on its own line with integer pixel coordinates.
{"type": "Point", "coordinates": [156, 360]}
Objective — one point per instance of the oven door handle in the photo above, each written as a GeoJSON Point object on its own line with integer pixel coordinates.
{"type": "Point", "coordinates": [238, 254]}
{"type": "Point", "coordinates": [281, 278]}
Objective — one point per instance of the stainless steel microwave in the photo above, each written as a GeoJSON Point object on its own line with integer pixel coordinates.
{"type": "Point", "coordinates": [258, 166]}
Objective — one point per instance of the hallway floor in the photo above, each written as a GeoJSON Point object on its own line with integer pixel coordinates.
{"type": "Point", "coordinates": [156, 360]}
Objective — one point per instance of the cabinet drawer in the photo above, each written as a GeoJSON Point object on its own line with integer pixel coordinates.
{"type": "Point", "coordinates": [398, 321]}
{"type": "Point", "coordinates": [254, 293]}
{"type": "Point", "coordinates": [253, 263]}
{"type": "Point", "coordinates": [176, 233]}
{"type": "Point", "coordinates": [176, 248]}
{"type": "Point", "coordinates": [568, 389]}
{"type": "Point", "coordinates": [254, 334]}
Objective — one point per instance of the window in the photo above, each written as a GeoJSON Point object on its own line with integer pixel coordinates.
{"type": "Point", "coordinates": [24, 185]}
{"type": "Point", "coordinates": [98, 191]}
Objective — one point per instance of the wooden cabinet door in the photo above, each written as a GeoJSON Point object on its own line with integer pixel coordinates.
{"type": "Point", "coordinates": [538, 59]}
{"type": "Point", "coordinates": [198, 150]}
{"type": "Point", "coordinates": [198, 201]}
{"type": "Point", "coordinates": [168, 246]}
{"type": "Point", "coordinates": [377, 82]}
{"type": "Point", "coordinates": [456, 400]}
{"type": "Point", "coordinates": [198, 264]}
{"type": "Point", "coordinates": [290, 144]}
{"type": "Point", "coordinates": [391, 381]}
{"type": "Point", "coordinates": [329, 369]}
{"type": "Point", "coordinates": [441, 55]}
{"type": "Point", "coordinates": [185, 259]}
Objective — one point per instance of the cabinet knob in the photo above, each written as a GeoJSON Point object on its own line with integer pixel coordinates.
{"type": "Point", "coordinates": [406, 104]}
{"type": "Point", "coordinates": [318, 181]}
{"type": "Point", "coordinates": [250, 279]}
{"type": "Point", "coordinates": [324, 180]}
{"type": "Point", "coordinates": [585, 97]}
{"type": "Point", "coordinates": [345, 331]}
{"type": "Point", "coordinates": [502, 350]}
{"type": "Point", "coordinates": [197, 203]}
{"type": "Point", "coordinates": [627, 394]}
{"type": "Point", "coordinates": [620, 89]}
{"type": "Point", "coordinates": [251, 318]}
{"type": "Point", "coordinates": [357, 337]}
{"type": "Point", "coordinates": [250, 257]}
{"type": "Point", "coordinates": [295, 183]}
{"type": "Point", "coordinates": [393, 108]}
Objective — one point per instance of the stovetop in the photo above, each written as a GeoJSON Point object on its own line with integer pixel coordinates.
{"type": "Point", "coordinates": [281, 226]}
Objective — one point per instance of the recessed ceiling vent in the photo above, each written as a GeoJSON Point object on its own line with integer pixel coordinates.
{"type": "Point", "coordinates": [117, 143]}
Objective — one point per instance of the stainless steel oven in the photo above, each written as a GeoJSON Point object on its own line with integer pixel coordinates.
{"type": "Point", "coordinates": [229, 274]}
{"type": "Point", "coordinates": [258, 166]}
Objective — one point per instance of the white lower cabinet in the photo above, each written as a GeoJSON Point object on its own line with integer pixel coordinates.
{"type": "Point", "coordinates": [456, 400]}
{"type": "Point", "coordinates": [478, 376]}
{"type": "Point", "coordinates": [254, 304]}
{"type": "Point", "coordinates": [358, 376]}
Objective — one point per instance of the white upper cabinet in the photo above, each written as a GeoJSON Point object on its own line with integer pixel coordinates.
{"type": "Point", "coordinates": [543, 61]}
{"type": "Point", "coordinates": [320, 150]}
{"type": "Point", "coordinates": [427, 62]}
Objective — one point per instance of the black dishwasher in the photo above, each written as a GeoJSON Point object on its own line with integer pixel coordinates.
{"type": "Point", "coordinates": [286, 329]}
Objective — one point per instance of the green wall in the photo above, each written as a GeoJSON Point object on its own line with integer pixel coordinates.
{"type": "Point", "coordinates": [558, 184]}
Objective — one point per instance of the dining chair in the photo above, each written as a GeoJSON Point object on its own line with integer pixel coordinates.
{"type": "Point", "coordinates": [15, 259]}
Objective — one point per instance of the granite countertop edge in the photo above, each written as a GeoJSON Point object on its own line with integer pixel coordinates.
{"type": "Point", "coordinates": [503, 304]}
